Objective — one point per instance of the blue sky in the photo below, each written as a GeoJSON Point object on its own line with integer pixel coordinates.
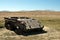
{"type": "Point", "coordinates": [19, 5]}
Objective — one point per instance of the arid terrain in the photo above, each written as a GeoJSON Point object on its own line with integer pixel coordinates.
{"type": "Point", "coordinates": [50, 19]}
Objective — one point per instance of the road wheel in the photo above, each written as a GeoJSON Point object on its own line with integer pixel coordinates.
{"type": "Point", "coordinates": [7, 26]}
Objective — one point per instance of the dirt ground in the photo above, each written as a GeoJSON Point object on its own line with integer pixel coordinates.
{"type": "Point", "coordinates": [50, 34]}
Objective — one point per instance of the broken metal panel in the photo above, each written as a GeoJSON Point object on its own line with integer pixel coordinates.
{"type": "Point", "coordinates": [33, 24]}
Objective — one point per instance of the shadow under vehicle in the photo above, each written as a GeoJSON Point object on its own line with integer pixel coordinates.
{"type": "Point", "coordinates": [22, 24]}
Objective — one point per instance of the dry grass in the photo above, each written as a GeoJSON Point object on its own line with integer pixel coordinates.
{"type": "Point", "coordinates": [51, 21]}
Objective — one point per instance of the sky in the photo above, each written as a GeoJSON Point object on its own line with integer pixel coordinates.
{"type": "Point", "coordinates": [27, 5]}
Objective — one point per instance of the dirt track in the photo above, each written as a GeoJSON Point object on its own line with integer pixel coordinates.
{"type": "Point", "coordinates": [51, 34]}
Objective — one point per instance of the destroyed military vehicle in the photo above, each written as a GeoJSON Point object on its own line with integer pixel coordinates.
{"type": "Point", "coordinates": [22, 23]}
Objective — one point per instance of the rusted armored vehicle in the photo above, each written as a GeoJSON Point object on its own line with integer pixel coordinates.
{"type": "Point", "coordinates": [22, 23]}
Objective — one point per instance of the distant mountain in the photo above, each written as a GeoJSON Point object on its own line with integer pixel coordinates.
{"type": "Point", "coordinates": [32, 11]}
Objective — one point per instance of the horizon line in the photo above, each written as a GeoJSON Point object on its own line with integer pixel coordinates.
{"type": "Point", "coordinates": [27, 10]}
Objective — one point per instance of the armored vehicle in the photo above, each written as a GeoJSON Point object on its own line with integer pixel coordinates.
{"type": "Point", "coordinates": [22, 23]}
